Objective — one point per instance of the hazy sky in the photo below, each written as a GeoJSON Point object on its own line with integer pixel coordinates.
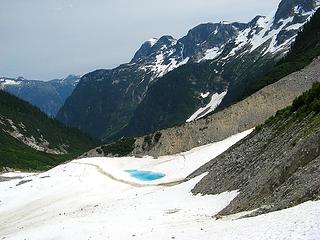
{"type": "Point", "coordinates": [45, 39]}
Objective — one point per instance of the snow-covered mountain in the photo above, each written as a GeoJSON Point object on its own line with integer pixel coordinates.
{"type": "Point", "coordinates": [49, 96]}
{"type": "Point", "coordinates": [160, 56]}
{"type": "Point", "coordinates": [271, 34]}
{"type": "Point", "coordinates": [212, 58]}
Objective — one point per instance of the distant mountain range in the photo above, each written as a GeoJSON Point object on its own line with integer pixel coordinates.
{"type": "Point", "coordinates": [170, 81]}
{"type": "Point", "coordinates": [49, 96]}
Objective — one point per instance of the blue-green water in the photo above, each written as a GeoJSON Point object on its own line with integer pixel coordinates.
{"type": "Point", "coordinates": [145, 175]}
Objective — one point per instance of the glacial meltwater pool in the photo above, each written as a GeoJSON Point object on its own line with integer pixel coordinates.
{"type": "Point", "coordinates": [145, 175]}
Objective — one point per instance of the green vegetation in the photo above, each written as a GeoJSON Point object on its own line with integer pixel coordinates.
{"type": "Point", "coordinates": [31, 122]}
{"type": "Point", "coordinates": [304, 105]}
{"type": "Point", "coordinates": [305, 48]}
{"type": "Point", "coordinates": [120, 148]}
{"type": "Point", "coordinates": [17, 155]}
{"type": "Point", "coordinates": [308, 102]}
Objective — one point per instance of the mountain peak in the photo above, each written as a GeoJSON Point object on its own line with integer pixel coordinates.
{"type": "Point", "coordinates": [166, 41]}
{"type": "Point", "coordinates": [143, 51]}
{"type": "Point", "coordinates": [288, 8]}
{"type": "Point", "coordinates": [71, 77]}
{"type": "Point", "coordinates": [152, 41]}
{"type": "Point", "coordinates": [152, 46]}
{"type": "Point", "coordinates": [234, 51]}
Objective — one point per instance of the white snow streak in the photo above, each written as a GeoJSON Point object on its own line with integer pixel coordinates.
{"type": "Point", "coordinates": [211, 54]}
{"type": "Point", "coordinates": [5, 82]}
{"type": "Point", "coordinates": [205, 95]}
{"type": "Point", "coordinates": [216, 99]}
{"type": "Point", "coordinates": [152, 41]}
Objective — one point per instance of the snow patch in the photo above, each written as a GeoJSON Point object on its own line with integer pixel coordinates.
{"type": "Point", "coordinates": [294, 26]}
{"type": "Point", "coordinates": [184, 61]}
{"type": "Point", "coordinates": [5, 82]}
{"type": "Point", "coordinates": [269, 33]}
{"type": "Point", "coordinates": [152, 41]}
{"type": "Point", "coordinates": [216, 99]}
{"type": "Point", "coordinates": [211, 54]}
{"type": "Point", "coordinates": [159, 68]}
{"type": "Point", "coordinates": [96, 206]}
{"type": "Point", "coordinates": [205, 95]}
{"type": "Point", "coordinates": [17, 174]}
{"type": "Point", "coordinates": [101, 198]}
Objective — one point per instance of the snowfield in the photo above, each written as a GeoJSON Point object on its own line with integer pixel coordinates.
{"type": "Point", "coordinates": [95, 198]}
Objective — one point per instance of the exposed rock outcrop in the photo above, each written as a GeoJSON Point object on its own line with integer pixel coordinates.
{"type": "Point", "coordinates": [275, 167]}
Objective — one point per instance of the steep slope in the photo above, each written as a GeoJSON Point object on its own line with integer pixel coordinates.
{"type": "Point", "coordinates": [49, 96]}
{"type": "Point", "coordinates": [30, 139]}
{"type": "Point", "coordinates": [305, 48]}
{"type": "Point", "coordinates": [236, 53]}
{"type": "Point", "coordinates": [104, 100]}
{"type": "Point", "coordinates": [238, 117]}
{"type": "Point", "coordinates": [275, 167]}
{"type": "Point", "coordinates": [241, 77]}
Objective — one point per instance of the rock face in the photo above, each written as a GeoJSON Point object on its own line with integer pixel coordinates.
{"type": "Point", "coordinates": [230, 54]}
{"type": "Point", "coordinates": [274, 168]}
{"type": "Point", "coordinates": [49, 96]}
{"type": "Point", "coordinates": [239, 117]}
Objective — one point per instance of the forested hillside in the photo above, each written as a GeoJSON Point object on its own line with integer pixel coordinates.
{"type": "Point", "coordinates": [30, 139]}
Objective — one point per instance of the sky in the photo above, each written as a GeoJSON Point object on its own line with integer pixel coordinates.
{"type": "Point", "coordinates": [47, 39]}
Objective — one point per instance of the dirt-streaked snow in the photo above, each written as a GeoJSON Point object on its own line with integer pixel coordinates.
{"type": "Point", "coordinates": [95, 198]}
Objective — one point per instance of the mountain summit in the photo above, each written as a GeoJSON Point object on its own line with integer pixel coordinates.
{"type": "Point", "coordinates": [167, 77]}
